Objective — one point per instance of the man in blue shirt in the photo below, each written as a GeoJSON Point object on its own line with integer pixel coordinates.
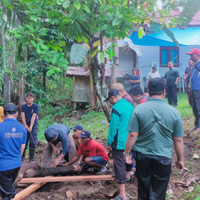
{"type": "Point", "coordinates": [12, 144]}
{"type": "Point", "coordinates": [29, 112]}
{"type": "Point", "coordinates": [135, 79]}
{"type": "Point", "coordinates": [195, 87]}
{"type": "Point", "coordinates": [54, 134]}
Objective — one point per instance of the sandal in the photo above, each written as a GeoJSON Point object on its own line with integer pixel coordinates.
{"type": "Point", "coordinates": [101, 171]}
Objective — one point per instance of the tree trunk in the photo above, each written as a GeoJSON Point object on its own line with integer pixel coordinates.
{"type": "Point", "coordinates": [21, 88]}
{"type": "Point", "coordinates": [7, 98]}
{"type": "Point", "coordinates": [96, 82]}
{"type": "Point", "coordinates": [44, 80]}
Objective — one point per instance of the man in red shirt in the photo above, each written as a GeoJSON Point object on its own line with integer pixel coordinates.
{"type": "Point", "coordinates": [138, 96]}
{"type": "Point", "coordinates": [90, 153]}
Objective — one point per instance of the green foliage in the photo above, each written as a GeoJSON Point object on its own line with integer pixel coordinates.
{"type": "Point", "coordinates": [78, 53]}
{"type": "Point", "coordinates": [195, 194]}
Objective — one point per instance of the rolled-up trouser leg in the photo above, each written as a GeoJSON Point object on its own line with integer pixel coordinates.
{"type": "Point", "coordinates": [47, 157]}
{"type": "Point", "coordinates": [72, 148]}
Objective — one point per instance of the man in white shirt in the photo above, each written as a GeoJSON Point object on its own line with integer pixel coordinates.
{"type": "Point", "coordinates": [152, 74]}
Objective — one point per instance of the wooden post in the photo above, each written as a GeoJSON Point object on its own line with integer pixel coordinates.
{"type": "Point", "coordinates": [21, 88]}
{"type": "Point", "coordinates": [28, 190]}
{"type": "Point", "coordinates": [92, 102]}
{"type": "Point", "coordinates": [67, 179]}
{"type": "Point", "coordinates": [7, 98]}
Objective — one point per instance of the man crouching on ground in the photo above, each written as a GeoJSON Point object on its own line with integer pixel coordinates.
{"type": "Point", "coordinates": [90, 153]}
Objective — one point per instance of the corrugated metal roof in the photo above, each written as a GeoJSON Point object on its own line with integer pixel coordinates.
{"type": "Point", "coordinates": [176, 13]}
{"type": "Point", "coordinates": [195, 20]}
{"type": "Point", "coordinates": [77, 71]}
{"type": "Point", "coordinates": [119, 73]}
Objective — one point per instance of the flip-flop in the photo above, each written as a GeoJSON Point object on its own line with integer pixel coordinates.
{"type": "Point", "coordinates": [101, 171]}
{"type": "Point", "coordinates": [119, 198]}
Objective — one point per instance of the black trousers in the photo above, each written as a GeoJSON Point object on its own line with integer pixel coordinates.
{"type": "Point", "coordinates": [172, 95]}
{"type": "Point", "coordinates": [153, 173]}
{"type": "Point", "coordinates": [195, 100]}
{"type": "Point", "coordinates": [119, 165]}
{"type": "Point", "coordinates": [7, 188]}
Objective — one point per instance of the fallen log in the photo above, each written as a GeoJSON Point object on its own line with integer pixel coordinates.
{"type": "Point", "coordinates": [28, 190]}
{"type": "Point", "coordinates": [67, 179]}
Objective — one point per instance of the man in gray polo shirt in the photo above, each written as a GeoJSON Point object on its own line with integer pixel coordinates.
{"type": "Point", "coordinates": [154, 127]}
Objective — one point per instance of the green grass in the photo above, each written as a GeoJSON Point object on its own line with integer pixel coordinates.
{"type": "Point", "coordinates": [183, 107]}
{"type": "Point", "coordinates": [91, 122]}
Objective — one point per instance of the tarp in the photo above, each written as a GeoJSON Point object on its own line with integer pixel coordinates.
{"type": "Point", "coordinates": [149, 41]}
{"type": "Point", "coordinates": [187, 36]}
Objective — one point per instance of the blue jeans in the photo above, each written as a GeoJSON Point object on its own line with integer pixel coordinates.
{"type": "Point", "coordinates": [99, 160]}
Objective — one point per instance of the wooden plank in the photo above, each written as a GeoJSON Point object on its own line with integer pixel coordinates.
{"type": "Point", "coordinates": [28, 190]}
{"type": "Point", "coordinates": [67, 179]}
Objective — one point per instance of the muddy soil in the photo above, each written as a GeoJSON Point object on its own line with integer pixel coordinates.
{"type": "Point", "coordinates": [180, 182]}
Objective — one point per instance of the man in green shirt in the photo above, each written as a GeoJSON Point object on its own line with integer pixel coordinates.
{"type": "Point", "coordinates": [117, 135]}
{"type": "Point", "coordinates": [171, 78]}
{"type": "Point", "coordinates": [156, 125]}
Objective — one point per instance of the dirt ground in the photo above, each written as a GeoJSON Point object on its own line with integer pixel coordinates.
{"type": "Point", "coordinates": [180, 182]}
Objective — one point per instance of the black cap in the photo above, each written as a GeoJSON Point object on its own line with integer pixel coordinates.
{"type": "Point", "coordinates": [77, 127]}
{"type": "Point", "coordinates": [85, 134]}
{"type": "Point", "coordinates": [10, 108]}
{"type": "Point", "coordinates": [112, 92]}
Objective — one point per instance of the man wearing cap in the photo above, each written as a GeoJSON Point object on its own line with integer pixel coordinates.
{"type": "Point", "coordinates": [152, 74]}
{"type": "Point", "coordinates": [195, 87]}
{"type": "Point", "coordinates": [12, 144]}
{"type": "Point", "coordinates": [154, 128]}
{"type": "Point", "coordinates": [54, 134]}
{"type": "Point", "coordinates": [117, 135]}
{"type": "Point", "coordinates": [172, 78]}
{"type": "Point", "coordinates": [90, 153]}
{"type": "Point", "coordinates": [122, 92]}
{"type": "Point", "coordinates": [77, 129]}
{"type": "Point", "coordinates": [29, 113]}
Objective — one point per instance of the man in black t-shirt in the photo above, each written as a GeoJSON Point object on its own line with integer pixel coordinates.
{"type": "Point", "coordinates": [29, 112]}
{"type": "Point", "coordinates": [171, 79]}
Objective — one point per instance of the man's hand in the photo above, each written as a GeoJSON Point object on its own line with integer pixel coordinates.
{"type": "Point", "coordinates": [129, 160]}
{"type": "Point", "coordinates": [109, 148]}
{"type": "Point", "coordinates": [30, 129]}
{"type": "Point", "coordinates": [26, 127]}
{"type": "Point", "coordinates": [180, 164]}
{"type": "Point", "coordinates": [56, 162]}
{"type": "Point", "coordinates": [55, 151]}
